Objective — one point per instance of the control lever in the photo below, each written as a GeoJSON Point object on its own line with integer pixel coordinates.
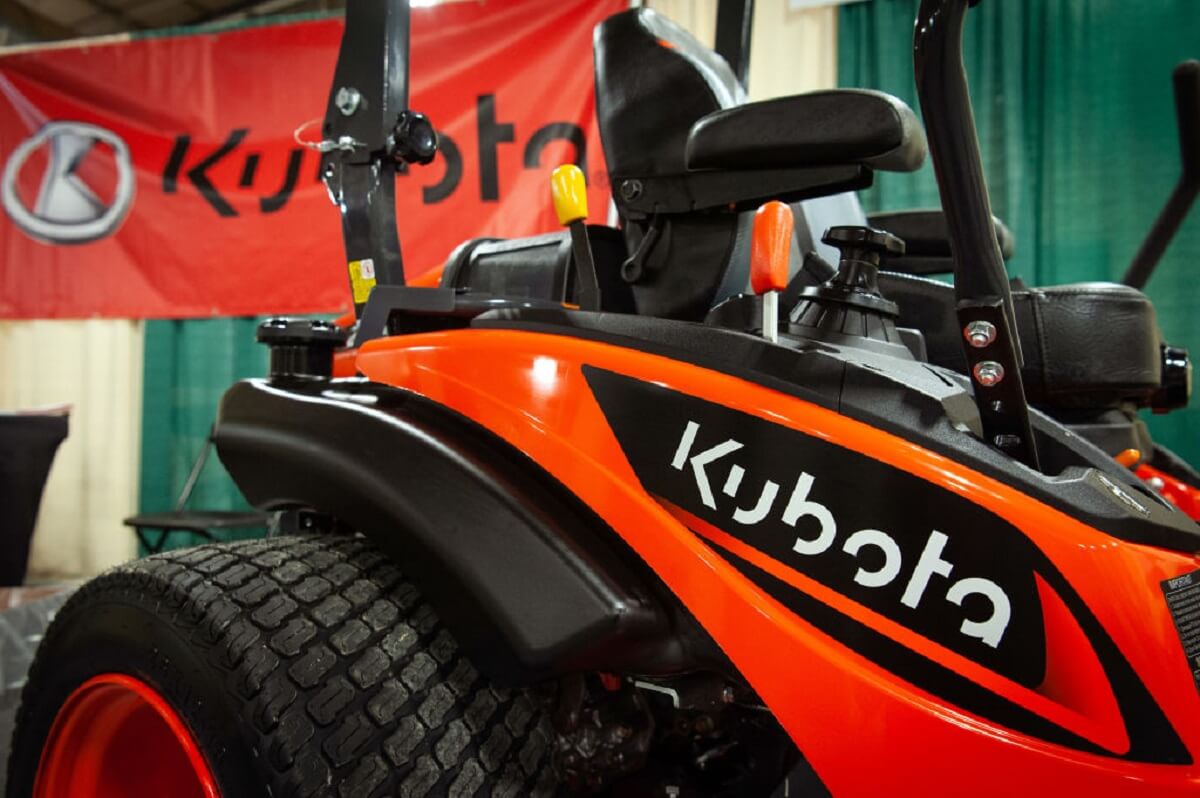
{"type": "Point", "coordinates": [770, 247]}
{"type": "Point", "coordinates": [857, 279]}
{"type": "Point", "coordinates": [570, 203]}
{"type": "Point", "coordinates": [1187, 114]}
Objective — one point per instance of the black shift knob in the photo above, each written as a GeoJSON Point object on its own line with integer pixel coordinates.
{"type": "Point", "coordinates": [863, 243]}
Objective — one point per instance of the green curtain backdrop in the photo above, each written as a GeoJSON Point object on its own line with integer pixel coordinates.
{"type": "Point", "coordinates": [188, 365]}
{"type": "Point", "coordinates": [1073, 103]}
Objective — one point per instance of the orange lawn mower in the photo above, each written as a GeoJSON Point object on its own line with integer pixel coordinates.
{"type": "Point", "coordinates": [680, 509]}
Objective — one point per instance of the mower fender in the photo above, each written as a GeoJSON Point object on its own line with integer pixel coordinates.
{"type": "Point", "coordinates": [531, 582]}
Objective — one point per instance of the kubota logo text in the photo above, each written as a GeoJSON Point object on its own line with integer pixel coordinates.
{"type": "Point", "coordinates": [817, 528]}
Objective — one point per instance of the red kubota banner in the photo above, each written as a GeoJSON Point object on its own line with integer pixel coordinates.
{"type": "Point", "coordinates": [160, 177]}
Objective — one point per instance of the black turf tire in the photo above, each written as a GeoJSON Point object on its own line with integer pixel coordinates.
{"type": "Point", "coordinates": [303, 666]}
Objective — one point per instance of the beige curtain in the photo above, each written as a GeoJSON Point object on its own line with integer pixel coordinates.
{"type": "Point", "coordinates": [791, 51]}
{"type": "Point", "coordinates": [95, 366]}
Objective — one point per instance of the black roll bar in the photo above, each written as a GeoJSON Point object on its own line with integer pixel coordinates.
{"type": "Point", "coordinates": [370, 88]}
{"type": "Point", "coordinates": [368, 135]}
{"type": "Point", "coordinates": [735, 18]}
{"type": "Point", "coordinates": [1187, 114]}
{"type": "Point", "coordinates": [985, 307]}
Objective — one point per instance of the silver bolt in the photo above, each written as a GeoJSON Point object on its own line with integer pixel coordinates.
{"type": "Point", "coordinates": [347, 100]}
{"type": "Point", "coordinates": [1007, 441]}
{"type": "Point", "coordinates": [1156, 484]}
{"type": "Point", "coordinates": [988, 373]}
{"type": "Point", "coordinates": [979, 333]}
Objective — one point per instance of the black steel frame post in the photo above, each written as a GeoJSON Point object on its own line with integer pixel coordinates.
{"type": "Point", "coordinates": [735, 18]}
{"type": "Point", "coordinates": [369, 92]}
{"type": "Point", "coordinates": [985, 307]}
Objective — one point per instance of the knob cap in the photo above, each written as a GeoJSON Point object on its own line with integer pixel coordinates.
{"type": "Point", "coordinates": [413, 139]}
{"type": "Point", "coordinates": [770, 246]}
{"type": "Point", "coordinates": [854, 242]}
{"type": "Point", "coordinates": [301, 348]}
{"type": "Point", "coordinates": [1176, 387]}
{"type": "Point", "coordinates": [569, 189]}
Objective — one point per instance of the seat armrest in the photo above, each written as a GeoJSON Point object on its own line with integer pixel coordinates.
{"type": "Point", "coordinates": [927, 240]}
{"type": "Point", "coordinates": [825, 128]}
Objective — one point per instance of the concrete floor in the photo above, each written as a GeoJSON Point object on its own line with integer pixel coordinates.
{"type": "Point", "coordinates": [21, 628]}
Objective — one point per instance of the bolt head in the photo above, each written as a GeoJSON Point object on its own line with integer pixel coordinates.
{"type": "Point", "coordinates": [631, 189]}
{"type": "Point", "coordinates": [979, 333]}
{"type": "Point", "coordinates": [988, 373]}
{"type": "Point", "coordinates": [347, 100]}
{"type": "Point", "coordinates": [1156, 484]}
{"type": "Point", "coordinates": [1007, 441]}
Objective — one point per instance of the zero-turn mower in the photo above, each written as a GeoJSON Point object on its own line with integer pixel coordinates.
{"type": "Point", "coordinates": [692, 507]}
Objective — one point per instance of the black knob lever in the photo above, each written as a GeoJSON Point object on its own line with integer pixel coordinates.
{"type": "Point", "coordinates": [857, 278]}
{"type": "Point", "coordinates": [413, 139]}
{"type": "Point", "coordinates": [848, 306]}
{"type": "Point", "coordinates": [863, 243]}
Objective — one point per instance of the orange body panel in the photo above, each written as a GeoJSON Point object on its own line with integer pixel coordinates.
{"type": "Point", "coordinates": [1176, 491]}
{"type": "Point", "coordinates": [864, 730]}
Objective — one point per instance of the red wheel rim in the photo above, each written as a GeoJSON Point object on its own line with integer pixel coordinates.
{"type": "Point", "coordinates": [116, 737]}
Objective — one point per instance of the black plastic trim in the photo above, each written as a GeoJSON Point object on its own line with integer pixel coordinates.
{"type": "Point", "coordinates": [531, 582]}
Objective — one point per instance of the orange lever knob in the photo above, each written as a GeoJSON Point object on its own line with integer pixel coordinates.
{"type": "Point", "coordinates": [770, 247]}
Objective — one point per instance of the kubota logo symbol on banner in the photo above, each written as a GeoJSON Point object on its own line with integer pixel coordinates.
{"type": "Point", "coordinates": [67, 207]}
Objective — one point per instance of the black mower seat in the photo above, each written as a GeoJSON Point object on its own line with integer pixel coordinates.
{"type": "Point", "coordinates": [1086, 345]}
{"type": "Point", "coordinates": [844, 126]}
{"type": "Point", "coordinates": [687, 229]}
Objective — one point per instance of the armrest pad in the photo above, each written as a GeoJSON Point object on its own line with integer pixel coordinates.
{"type": "Point", "coordinates": [824, 128]}
{"type": "Point", "coordinates": [926, 234]}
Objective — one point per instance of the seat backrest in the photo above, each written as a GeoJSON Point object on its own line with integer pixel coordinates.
{"type": "Point", "coordinates": [654, 80]}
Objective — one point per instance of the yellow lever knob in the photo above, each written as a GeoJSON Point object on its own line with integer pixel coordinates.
{"type": "Point", "coordinates": [570, 193]}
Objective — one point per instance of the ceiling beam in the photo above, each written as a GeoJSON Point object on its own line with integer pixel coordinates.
{"type": "Point", "coordinates": [117, 14]}
{"type": "Point", "coordinates": [249, 8]}
{"type": "Point", "coordinates": [34, 23]}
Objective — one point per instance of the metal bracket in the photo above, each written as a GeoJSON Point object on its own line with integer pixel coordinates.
{"type": "Point", "coordinates": [995, 375]}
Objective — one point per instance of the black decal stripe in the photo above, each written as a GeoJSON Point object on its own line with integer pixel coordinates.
{"type": "Point", "coordinates": [908, 664]}
{"type": "Point", "coordinates": [1154, 744]}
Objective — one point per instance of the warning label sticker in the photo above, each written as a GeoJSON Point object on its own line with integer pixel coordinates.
{"type": "Point", "coordinates": [1183, 599]}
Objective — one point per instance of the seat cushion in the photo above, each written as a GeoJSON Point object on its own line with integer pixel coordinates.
{"type": "Point", "coordinates": [821, 128]}
{"type": "Point", "coordinates": [1086, 345]}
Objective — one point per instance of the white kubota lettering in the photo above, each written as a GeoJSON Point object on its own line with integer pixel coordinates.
{"type": "Point", "coordinates": [818, 538]}
{"type": "Point", "coordinates": [930, 563]}
{"type": "Point", "coordinates": [991, 630]}
{"type": "Point", "coordinates": [798, 507]}
{"type": "Point", "coordinates": [765, 500]}
{"type": "Point", "coordinates": [891, 557]}
{"type": "Point", "coordinates": [701, 460]}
